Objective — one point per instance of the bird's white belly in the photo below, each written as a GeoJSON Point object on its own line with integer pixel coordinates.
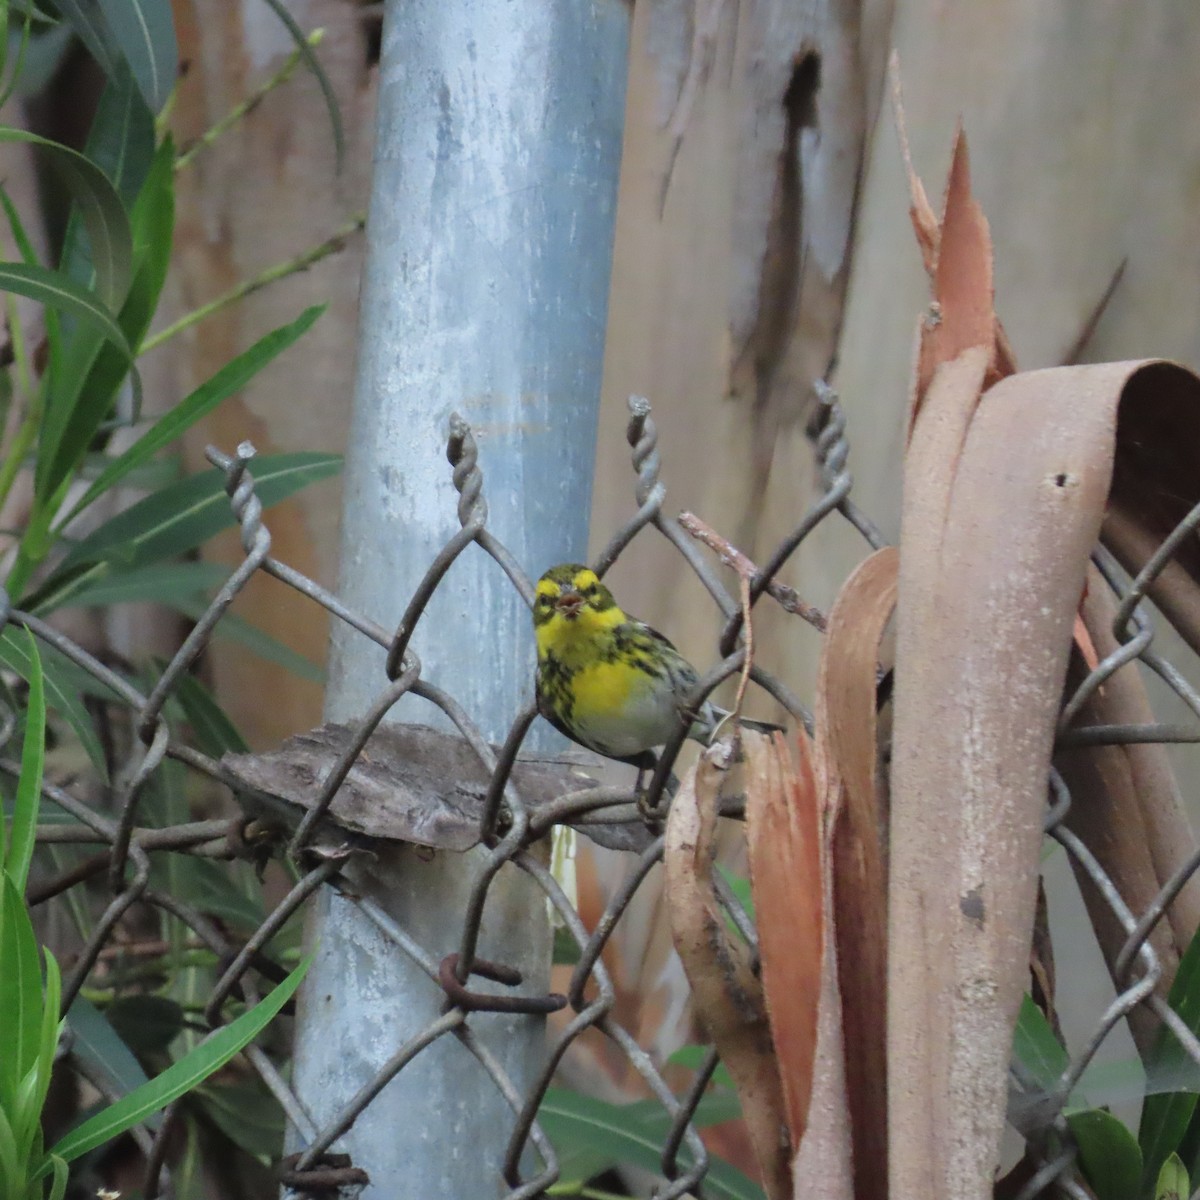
{"type": "Point", "coordinates": [646, 719]}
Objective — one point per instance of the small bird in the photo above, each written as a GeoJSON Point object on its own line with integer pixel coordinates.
{"type": "Point", "coordinates": [607, 680]}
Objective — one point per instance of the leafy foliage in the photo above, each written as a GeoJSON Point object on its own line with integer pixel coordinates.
{"type": "Point", "coordinates": [73, 380]}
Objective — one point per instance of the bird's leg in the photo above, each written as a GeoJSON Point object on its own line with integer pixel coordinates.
{"type": "Point", "coordinates": [645, 763]}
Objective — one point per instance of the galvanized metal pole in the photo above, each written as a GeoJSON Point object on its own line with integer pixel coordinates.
{"type": "Point", "coordinates": [485, 292]}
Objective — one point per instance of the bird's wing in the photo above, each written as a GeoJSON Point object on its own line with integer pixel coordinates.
{"type": "Point", "coordinates": [651, 632]}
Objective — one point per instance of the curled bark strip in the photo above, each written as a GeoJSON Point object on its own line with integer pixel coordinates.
{"type": "Point", "coordinates": [981, 659]}
{"type": "Point", "coordinates": [725, 991]}
{"type": "Point", "coordinates": [783, 837]}
{"type": "Point", "coordinates": [856, 820]}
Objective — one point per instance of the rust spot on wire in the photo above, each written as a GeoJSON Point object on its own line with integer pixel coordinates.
{"type": "Point", "coordinates": [470, 1001]}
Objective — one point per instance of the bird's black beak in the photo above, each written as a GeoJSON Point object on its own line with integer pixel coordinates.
{"type": "Point", "coordinates": [569, 604]}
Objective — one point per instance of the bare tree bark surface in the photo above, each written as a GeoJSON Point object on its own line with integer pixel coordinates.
{"type": "Point", "coordinates": [264, 193]}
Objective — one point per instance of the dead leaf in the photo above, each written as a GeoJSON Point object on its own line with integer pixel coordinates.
{"type": "Point", "coordinates": [846, 749]}
{"type": "Point", "coordinates": [999, 521]}
{"type": "Point", "coordinates": [783, 836]}
{"type": "Point", "coordinates": [725, 991]}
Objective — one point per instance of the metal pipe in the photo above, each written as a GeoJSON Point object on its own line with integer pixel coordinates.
{"type": "Point", "coordinates": [485, 292]}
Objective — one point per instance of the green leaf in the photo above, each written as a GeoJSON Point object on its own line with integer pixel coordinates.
{"type": "Point", "coordinates": [85, 392]}
{"type": "Point", "coordinates": [229, 379]}
{"type": "Point", "coordinates": [314, 65]}
{"type": "Point", "coordinates": [212, 889]}
{"type": "Point", "coordinates": [121, 143]}
{"type": "Point", "coordinates": [1173, 1182]}
{"type": "Point", "coordinates": [269, 648]}
{"type": "Point", "coordinates": [29, 786]}
{"type": "Point", "coordinates": [143, 31]}
{"type": "Point", "coordinates": [100, 208]}
{"type": "Point", "coordinates": [20, 992]}
{"type": "Point", "coordinates": [44, 55]}
{"type": "Point", "coordinates": [87, 20]}
{"type": "Point", "coordinates": [101, 584]}
{"type": "Point", "coordinates": [592, 1135]}
{"type": "Point", "coordinates": [140, 33]}
{"type": "Point", "coordinates": [247, 1114]}
{"type": "Point", "coordinates": [101, 1050]}
{"type": "Point", "coordinates": [17, 226]}
{"type": "Point", "coordinates": [23, 40]}
{"type": "Point", "coordinates": [153, 236]}
{"type": "Point", "coordinates": [1108, 1154]}
{"type": "Point", "coordinates": [212, 1054]}
{"type": "Point", "coordinates": [28, 8]}
{"type": "Point", "coordinates": [51, 1029]}
{"type": "Point", "coordinates": [1037, 1048]}
{"type": "Point", "coordinates": [59, 1173]}
{"type": "Point", "coordinates": [212, 731]}
{"type": "Point", "coordinates": [147, 1024]}
{"type": "Point", "coordinates": [182, 516]}
{"type": "Point", "coordinates": [1166, 1115]}
{"type": "Point", "coordinates": [54, 289]}
{"type": "Point", "coordinates": [693, 1058]}
{"type": "Point", "coordinates": [65, 684]}
{"type": "Point", "coordinates": [12, 1172]}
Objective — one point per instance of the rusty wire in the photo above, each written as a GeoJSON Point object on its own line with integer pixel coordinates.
{"type": "Point", "coordinates": [591, 997]}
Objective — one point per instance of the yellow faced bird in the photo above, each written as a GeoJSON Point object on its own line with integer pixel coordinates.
{"type": "Point", "coordinates": [605, 679]}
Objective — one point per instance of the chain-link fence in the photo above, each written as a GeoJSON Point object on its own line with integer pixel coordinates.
{"type": "Point", "coordinates": [509, 823]}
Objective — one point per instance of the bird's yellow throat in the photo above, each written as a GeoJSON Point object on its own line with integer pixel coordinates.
{"type": "Point", "coordinates": [574, 640]}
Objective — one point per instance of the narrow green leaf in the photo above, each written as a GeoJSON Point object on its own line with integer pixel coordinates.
{"type": "Point", "coordinates": [1173, 1182]}
{"type": "Point", "coordinates": [17, 226]}
{"type": "Point", "coordinates": [164, 583]}
{"type": "Point", "coordinates": [51, 1028]}
{"type": "Point", "coordinates": [143, 31]}
{"type": "Point", "coordinates": [153, 222]}
{"type": "Point", "coordinates": [47, 48]}
{"type": "Point", "coordinates": [28, 8]}
{"type": "Point", "coordinates": [593, 1135]}
{"type": "Point", "coordinates": [182, 516]}
{"type": "Point", "coordinates": [229, 379]}
{"type": "Point", "coordinates": [269, 648]}
{"type": "Point", "coordinates": [29, 786]}
{"type": "Point", "coordinates": [121, 140]}
{"type": "Point", "coordinates": [59, 1174]}
{"type": "Point", "coordinates": [86, 392]}
{"type": "Point", "coordinates": [693, 1057]}
{"type": "Point", "coordinates": [1037, 1048]}
{"type": "Point", "coordinates": [213, 889]}
{"type": "Point", "coordinates": [212, 731]}
{"type": "Point", "coordinates": [12, 1172]}
{"type": "Point", "coordinates": [1166, 1115]}
{"type": "Point", "coordinates": [101, 1050]}
{"type": "Point", "coordinates": [54, 289]}
{"type": "Point", "coordinates": [146, 1024]}
{"type": "Point", "coordinates": [121, 143]}
{"type": "Point", "coordinates": [1108, 1154]}
{"type": "Point", "coordinates": [88, 22]}
{"type": "Point", "coordinates": [212, 1054]}
{"type": "Point", "coordinates": [65, 684]}
{"type": "Point", "coordinates": [23, 1117]}
{"type": "Point", "coordinates": [100, 208]}
{"type": "Point", "coordinates": [247, 1114]}
{"type": "Point", "coordinates": [314, 65]}
{"type": "Point", "coordinates": [24, 38]}
{"type": "Point", "coordinates": [20, 993]}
